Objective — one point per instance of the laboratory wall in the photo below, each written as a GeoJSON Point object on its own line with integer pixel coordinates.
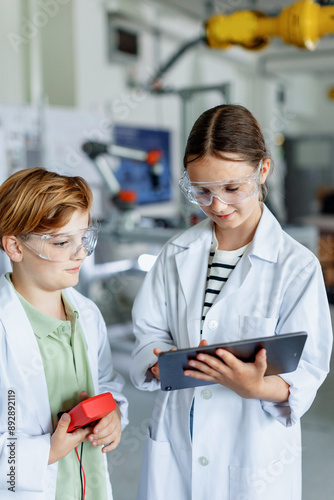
{"type": "Point", "coordinates": [64, 83]}
{"type": "Point", "coordinates": [13, 79]}
{"type": "Point", "coordinates": [56, 54]}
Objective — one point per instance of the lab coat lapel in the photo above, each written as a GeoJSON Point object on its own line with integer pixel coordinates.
{"type": "Point", "coordinates": [192, 264]}
{"type": "Point", "coordinates": [264, 246]}
{"type": "Point", "coordinates": [23, 345]}
{"type": "Point", "coordinates": [236, 278]}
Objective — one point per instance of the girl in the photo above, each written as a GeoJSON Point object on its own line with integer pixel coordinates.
{"type": "Point", "coordinates": [235, 276]}
{"type": "Point", "coordinates": [53, 343]}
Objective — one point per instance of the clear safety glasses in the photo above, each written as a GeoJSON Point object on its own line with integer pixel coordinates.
{"type": "Point", "coordinates": [230, 191]}
{"type": "Point", "coordinates": [63, 246]}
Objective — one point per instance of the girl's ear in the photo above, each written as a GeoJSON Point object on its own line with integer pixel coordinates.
{"type": "Point", "coordinates": [12, 247]}
{"type": "Point", "coordinates": [265, 169]}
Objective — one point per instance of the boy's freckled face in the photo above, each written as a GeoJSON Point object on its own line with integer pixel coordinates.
{"type": "Point", "coordinates": [51, 276]}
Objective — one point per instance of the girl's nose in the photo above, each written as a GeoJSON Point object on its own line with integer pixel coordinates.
{"type": "Point", "coordinates": [217, 204]}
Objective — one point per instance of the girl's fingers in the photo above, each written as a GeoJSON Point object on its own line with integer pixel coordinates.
{"type": "Point", "coordinates": [202, 343]}
{"type": "Point", "coordinates": [205, 366]}
{"type": "Point", "coordinates": [198, 375]}
{"type": "Point", "coordinates": [214, 363]}
{"type": "Point", "coordinates": [203, 370]}
{"type": "Point", "coordinates": [229, 359]}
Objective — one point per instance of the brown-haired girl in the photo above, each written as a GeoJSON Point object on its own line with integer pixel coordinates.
{"type": "Point", "coordinates": [53, 343]}
{"type": "Point", "coordinates": [235, 276]}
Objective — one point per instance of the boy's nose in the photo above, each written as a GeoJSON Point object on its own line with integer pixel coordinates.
{"type": "Point", "coordinates": [80, 253]}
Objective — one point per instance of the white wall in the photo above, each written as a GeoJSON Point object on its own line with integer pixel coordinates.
{"type": "Point", "coordinates": [75, 70]}
{"type": "Point", "coordinates": [12, 81]}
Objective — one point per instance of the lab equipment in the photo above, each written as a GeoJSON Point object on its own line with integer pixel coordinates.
{"type": "Point", "coordinates": [301, 24]}
{"type": "Point", "coordinates": [118, 180]}
{"type": "Point", "coordinates": [90, 410]}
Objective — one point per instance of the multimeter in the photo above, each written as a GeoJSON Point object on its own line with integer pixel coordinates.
{"type": "Point", "coordinates": [91, 409]}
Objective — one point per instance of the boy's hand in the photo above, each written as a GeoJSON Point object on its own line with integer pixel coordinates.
{"type": "Point", "coordinates": [107, 431]}
{"type": "Point", "coordinates": [63, 442]}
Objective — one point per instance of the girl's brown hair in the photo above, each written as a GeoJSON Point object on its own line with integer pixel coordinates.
{"type": "Point", "coordinates": [37, 201]}
{"type": "Point", "coordinates": [228, 128]}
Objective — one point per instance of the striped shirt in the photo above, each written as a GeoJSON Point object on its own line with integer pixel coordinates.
{"type": "Point", "coordinates": [221, 264]}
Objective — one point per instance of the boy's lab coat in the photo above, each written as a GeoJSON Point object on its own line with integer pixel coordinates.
{"type": "Point", "coordinates": [242, 449]}
{"type": "Point", "coordinates": [21, 369]}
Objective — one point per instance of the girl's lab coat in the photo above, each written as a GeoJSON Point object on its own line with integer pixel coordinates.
{"type": "Point", "coordinates": [21, 370]}
{"type": "Point", "coordinates": [242, 449]}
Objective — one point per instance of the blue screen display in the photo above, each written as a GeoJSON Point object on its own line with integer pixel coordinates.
{"type": "Point", "coordinates": [136, 175]}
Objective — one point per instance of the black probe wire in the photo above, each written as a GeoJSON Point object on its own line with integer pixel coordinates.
{"type": "Point", "coordinates": [82, 472]}
{"type": "Point", "coordinates": [80, 468]}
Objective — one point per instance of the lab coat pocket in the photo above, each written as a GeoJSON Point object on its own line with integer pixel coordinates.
{"type": "Point", "coordinates": [160, 472]}
{"type": "Point", "coordinates": [253, 326]}
{"type": "Point", "coordinates": [260, 484]}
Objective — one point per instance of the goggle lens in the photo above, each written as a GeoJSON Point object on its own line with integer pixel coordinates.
{"type": "Point", "coordinates": [62, 247]}
{"type": "Point", "coordinates": [231, 193]}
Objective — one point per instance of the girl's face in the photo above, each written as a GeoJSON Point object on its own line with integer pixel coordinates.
{"type": "Point", "coordinates": [51, 276]}
{"type": "Point", "coordinates": [228, 216]}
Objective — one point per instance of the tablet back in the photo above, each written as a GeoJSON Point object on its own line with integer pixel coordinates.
{"type": "Point", "coordinates": [283, 354]}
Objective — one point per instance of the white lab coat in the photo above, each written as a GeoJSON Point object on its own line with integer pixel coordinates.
{"type": "Point", "coordinates": [242, 449]}
{"type": "Point", "coordinates": [21, 369]}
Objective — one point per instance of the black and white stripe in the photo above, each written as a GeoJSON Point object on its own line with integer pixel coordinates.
{"type": "Point", "coordinates": [220, 266]}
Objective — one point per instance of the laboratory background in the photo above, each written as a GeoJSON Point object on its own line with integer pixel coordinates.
{"type": "Point", "coordinates": [109, 89]}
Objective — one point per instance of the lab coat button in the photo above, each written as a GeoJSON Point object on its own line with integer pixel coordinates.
{"type": "Point", "coordinates": [213, 324]}
{"type": "Point", "coordinates": [206, 394]}
{"type": "Point", "coordinates": [203, 461]}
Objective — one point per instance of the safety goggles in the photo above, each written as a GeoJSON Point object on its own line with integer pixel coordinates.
{"type": "Point", "coordinates": [63, 246]}
{"type": "Point", "coordinates": [230, 191]}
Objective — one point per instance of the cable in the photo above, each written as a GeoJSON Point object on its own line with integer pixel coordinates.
{"type": "Point", "coordinates": [82, 472]}
{"type": "Point", "coordinates": [184, 48]}
{"type": "Point", "coordinates": [80, 468]}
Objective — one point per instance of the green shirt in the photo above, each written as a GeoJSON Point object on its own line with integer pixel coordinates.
{"type": "Point", "coordinates": [66, 366]}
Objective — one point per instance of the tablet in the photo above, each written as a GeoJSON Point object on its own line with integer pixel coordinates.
{"type": "Point", "coordinates": [283, 354]}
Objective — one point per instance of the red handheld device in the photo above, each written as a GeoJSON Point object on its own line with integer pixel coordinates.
{"type": "Point", "coordinates": [91, 409]}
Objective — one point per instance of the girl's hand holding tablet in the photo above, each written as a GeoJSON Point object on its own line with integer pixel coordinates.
{"type": "Point", "coordinates": [245, 379]}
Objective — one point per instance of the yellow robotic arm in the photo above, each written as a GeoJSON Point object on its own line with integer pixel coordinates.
{"type": "Point", "coordinates": [301, 24]}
